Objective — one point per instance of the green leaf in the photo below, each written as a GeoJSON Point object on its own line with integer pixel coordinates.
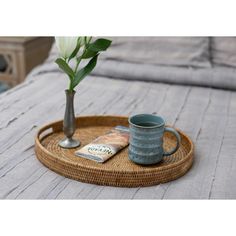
{"type": "Point", "coordinates": [95, 47]}
{"type": "Point", "coordinates": [99, 45]}
{"type": "Point", "coordinates": [88, 54]}
{"type": "Point", "coordinates": [74, 53]}
{"type": "Point", "coordinates": [65, 67]}
{"type": "Point", "coordinates": [82, 73]}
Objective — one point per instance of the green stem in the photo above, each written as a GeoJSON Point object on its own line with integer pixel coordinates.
{"type": "Point", "coordinates": [77, 64]}
{"type": "Point", "coordinates": [89, 39]}
{"type": "Point", "coordinates": [79, 59]}
{"type": "Point", "coordinates": [70, 86]}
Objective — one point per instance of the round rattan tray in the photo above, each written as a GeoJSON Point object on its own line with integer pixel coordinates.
{"type": "Point", "coordinates": [119, 170]}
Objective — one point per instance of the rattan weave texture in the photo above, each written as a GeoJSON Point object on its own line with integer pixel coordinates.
{"type": "Point", "coordinates": [119, 170]}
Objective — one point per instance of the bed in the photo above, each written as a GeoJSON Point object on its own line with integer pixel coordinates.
{"type": "Point", "coordinates": [201, 101]}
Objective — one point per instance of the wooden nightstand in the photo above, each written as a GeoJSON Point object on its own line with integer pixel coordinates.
{"type": "Point", "coordinates": [21, 54]}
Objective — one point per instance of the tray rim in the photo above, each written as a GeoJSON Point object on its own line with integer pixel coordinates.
{"type": "Point", "coordinates": [69, 163]}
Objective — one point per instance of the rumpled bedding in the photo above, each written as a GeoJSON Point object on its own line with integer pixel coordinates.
{"type": "Point", "coordinates": [216, 76]}
{"type": "Point", "coordinates": [205, 114]}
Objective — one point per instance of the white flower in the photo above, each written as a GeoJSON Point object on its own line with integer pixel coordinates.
{"type": "Point", "coordinates": [66, 45]}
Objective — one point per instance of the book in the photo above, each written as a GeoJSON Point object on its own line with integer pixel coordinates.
{"type": "Point", "coordinates": [104, 147]}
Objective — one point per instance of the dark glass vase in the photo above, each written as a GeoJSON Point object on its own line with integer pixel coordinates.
{"type": "Point", "coordinates": [69, 123]}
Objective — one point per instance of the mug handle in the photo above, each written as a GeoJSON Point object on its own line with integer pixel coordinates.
{"type": "Point", "coordinates": [178, 139]}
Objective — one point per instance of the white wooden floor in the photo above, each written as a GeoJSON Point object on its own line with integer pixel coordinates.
{"type": "Point", "coordinates": [207, 115]}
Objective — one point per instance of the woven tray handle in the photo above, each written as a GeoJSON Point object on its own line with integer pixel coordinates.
{"type": "Point", "coordinates": [178, 139]}
{"type": "Point", "coordinates": [48, 129]}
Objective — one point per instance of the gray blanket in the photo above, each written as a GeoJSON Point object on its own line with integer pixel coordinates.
{"type": "Point", "coordinates": [215, 76]}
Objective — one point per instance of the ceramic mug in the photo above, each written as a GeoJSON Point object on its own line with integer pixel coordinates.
{"type": "Point", "coordinates": [146, 139]}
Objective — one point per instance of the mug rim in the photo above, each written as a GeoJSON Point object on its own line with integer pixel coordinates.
{"type": "Point", "coordinates": [149, 127]}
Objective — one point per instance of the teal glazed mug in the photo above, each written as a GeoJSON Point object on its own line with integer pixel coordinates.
{"type": "Point", "coordinates": [146, 139]}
